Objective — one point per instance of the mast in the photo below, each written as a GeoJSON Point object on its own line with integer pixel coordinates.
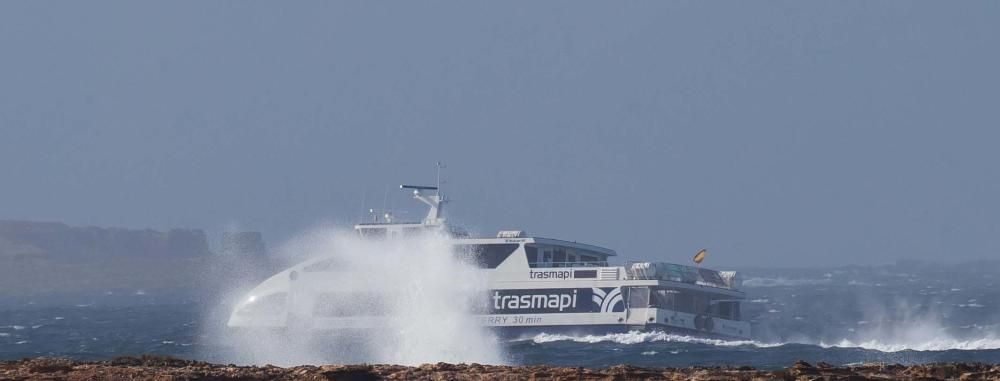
{"type": "Point", "coordinates": [435, 201]}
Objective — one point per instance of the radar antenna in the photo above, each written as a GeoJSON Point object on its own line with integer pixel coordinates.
{"type": "Point", "coordinates": [435, 202]}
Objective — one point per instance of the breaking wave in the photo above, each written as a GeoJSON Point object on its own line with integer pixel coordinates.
{"type": "Point", "coordinates": [420, 295]}
{"type": "Point", "coordinates": [931, 345]}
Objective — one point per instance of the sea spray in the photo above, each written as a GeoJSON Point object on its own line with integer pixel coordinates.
{"type": "Point", "coordinates": [411, 296]}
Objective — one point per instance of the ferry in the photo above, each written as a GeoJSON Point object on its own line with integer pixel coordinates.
{"type": "Point", "coordinates": [536, 285]}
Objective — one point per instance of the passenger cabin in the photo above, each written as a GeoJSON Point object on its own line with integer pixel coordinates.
{"type": "Point", "coordinates": [488, 253]}
{"type": "Point", "coordinates": [539, 252]}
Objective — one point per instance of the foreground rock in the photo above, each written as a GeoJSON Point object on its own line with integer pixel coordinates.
{"type": "Point", "coordinates": [168, 368]}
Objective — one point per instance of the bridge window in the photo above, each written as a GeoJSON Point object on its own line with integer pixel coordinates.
{"type": "Point", "coordinates": [557, 256]}
{"type": "Point", "coordinates": [376, 233]}
{"type": "Point", "coordinates": [486, 256]}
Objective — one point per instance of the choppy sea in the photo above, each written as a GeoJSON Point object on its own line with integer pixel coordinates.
{"type": "Point", "coordinates": [904, 313]}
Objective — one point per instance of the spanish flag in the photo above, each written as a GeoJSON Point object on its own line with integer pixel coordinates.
{"type": "Point", "coordinates": [699, 257]}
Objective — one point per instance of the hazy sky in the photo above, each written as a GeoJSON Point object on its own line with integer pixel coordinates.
{"type": "Point", "coordinates": [794, 133]}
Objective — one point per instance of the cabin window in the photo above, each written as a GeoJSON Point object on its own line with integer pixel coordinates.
{"type": "Point", "coordinates": [727, 310]}
{"type": "Point", "coordinates": [532, 253]}
{"type": "Point", "coordinates": [700, 304]}
{"type": "Point", "coordinates": [638, 297]}
{"type": "Point", "coordinates": [486, 256]}
{"type": "Point", "coordinates": [559, 259]}
{"type": "Point", "coordinates": [684, 302]}
{"type": "Point", "coordinates": [662, 298]}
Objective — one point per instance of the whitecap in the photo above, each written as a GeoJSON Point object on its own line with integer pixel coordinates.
{"type": "Point", "coordinates": [648, 353]}
{"type": "Point", "coordinates": [931, 345]}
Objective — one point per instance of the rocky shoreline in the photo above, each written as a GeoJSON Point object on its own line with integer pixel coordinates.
{"type": "Point", "coordinates": [169, 368]}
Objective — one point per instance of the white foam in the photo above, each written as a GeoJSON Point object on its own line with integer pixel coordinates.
{"type": "Point", "coordinates": [636, 337]}
{"type": "Point", "coordinates": [931, 345]}
{"type": "Point", "coordinates": [428, 296]}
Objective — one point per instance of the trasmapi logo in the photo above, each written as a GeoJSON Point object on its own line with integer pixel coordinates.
{"type": "Point", "coordinates": [609, 299]}
{"type": "Point", "coordinates": [557, 300]}
{"type": "Point", "coordinates": [551, 301]}
{"type": "Point", "coordinates": [550, 274]}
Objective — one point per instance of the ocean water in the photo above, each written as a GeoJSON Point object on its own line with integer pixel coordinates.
{"type": "Point", "coordinates": [907, 313]}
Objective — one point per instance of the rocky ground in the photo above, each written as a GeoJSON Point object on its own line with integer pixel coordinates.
{"type": "Point", "coordinates": [168, 368]}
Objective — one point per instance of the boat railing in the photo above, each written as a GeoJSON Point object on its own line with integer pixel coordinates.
{"type": "Point", "coordinates": [568, 264]}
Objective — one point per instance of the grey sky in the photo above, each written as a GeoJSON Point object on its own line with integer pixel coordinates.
{"type": "Point", "coordinates": [770, 132]}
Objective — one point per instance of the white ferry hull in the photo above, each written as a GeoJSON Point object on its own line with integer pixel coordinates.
{"type": "Point", "coordinates": [535, 285]}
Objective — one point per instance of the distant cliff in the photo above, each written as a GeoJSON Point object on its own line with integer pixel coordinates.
{"type": "Point", "coordinates": [48, 240]}
{"type": "Point", "coordinates": [44, 259]}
